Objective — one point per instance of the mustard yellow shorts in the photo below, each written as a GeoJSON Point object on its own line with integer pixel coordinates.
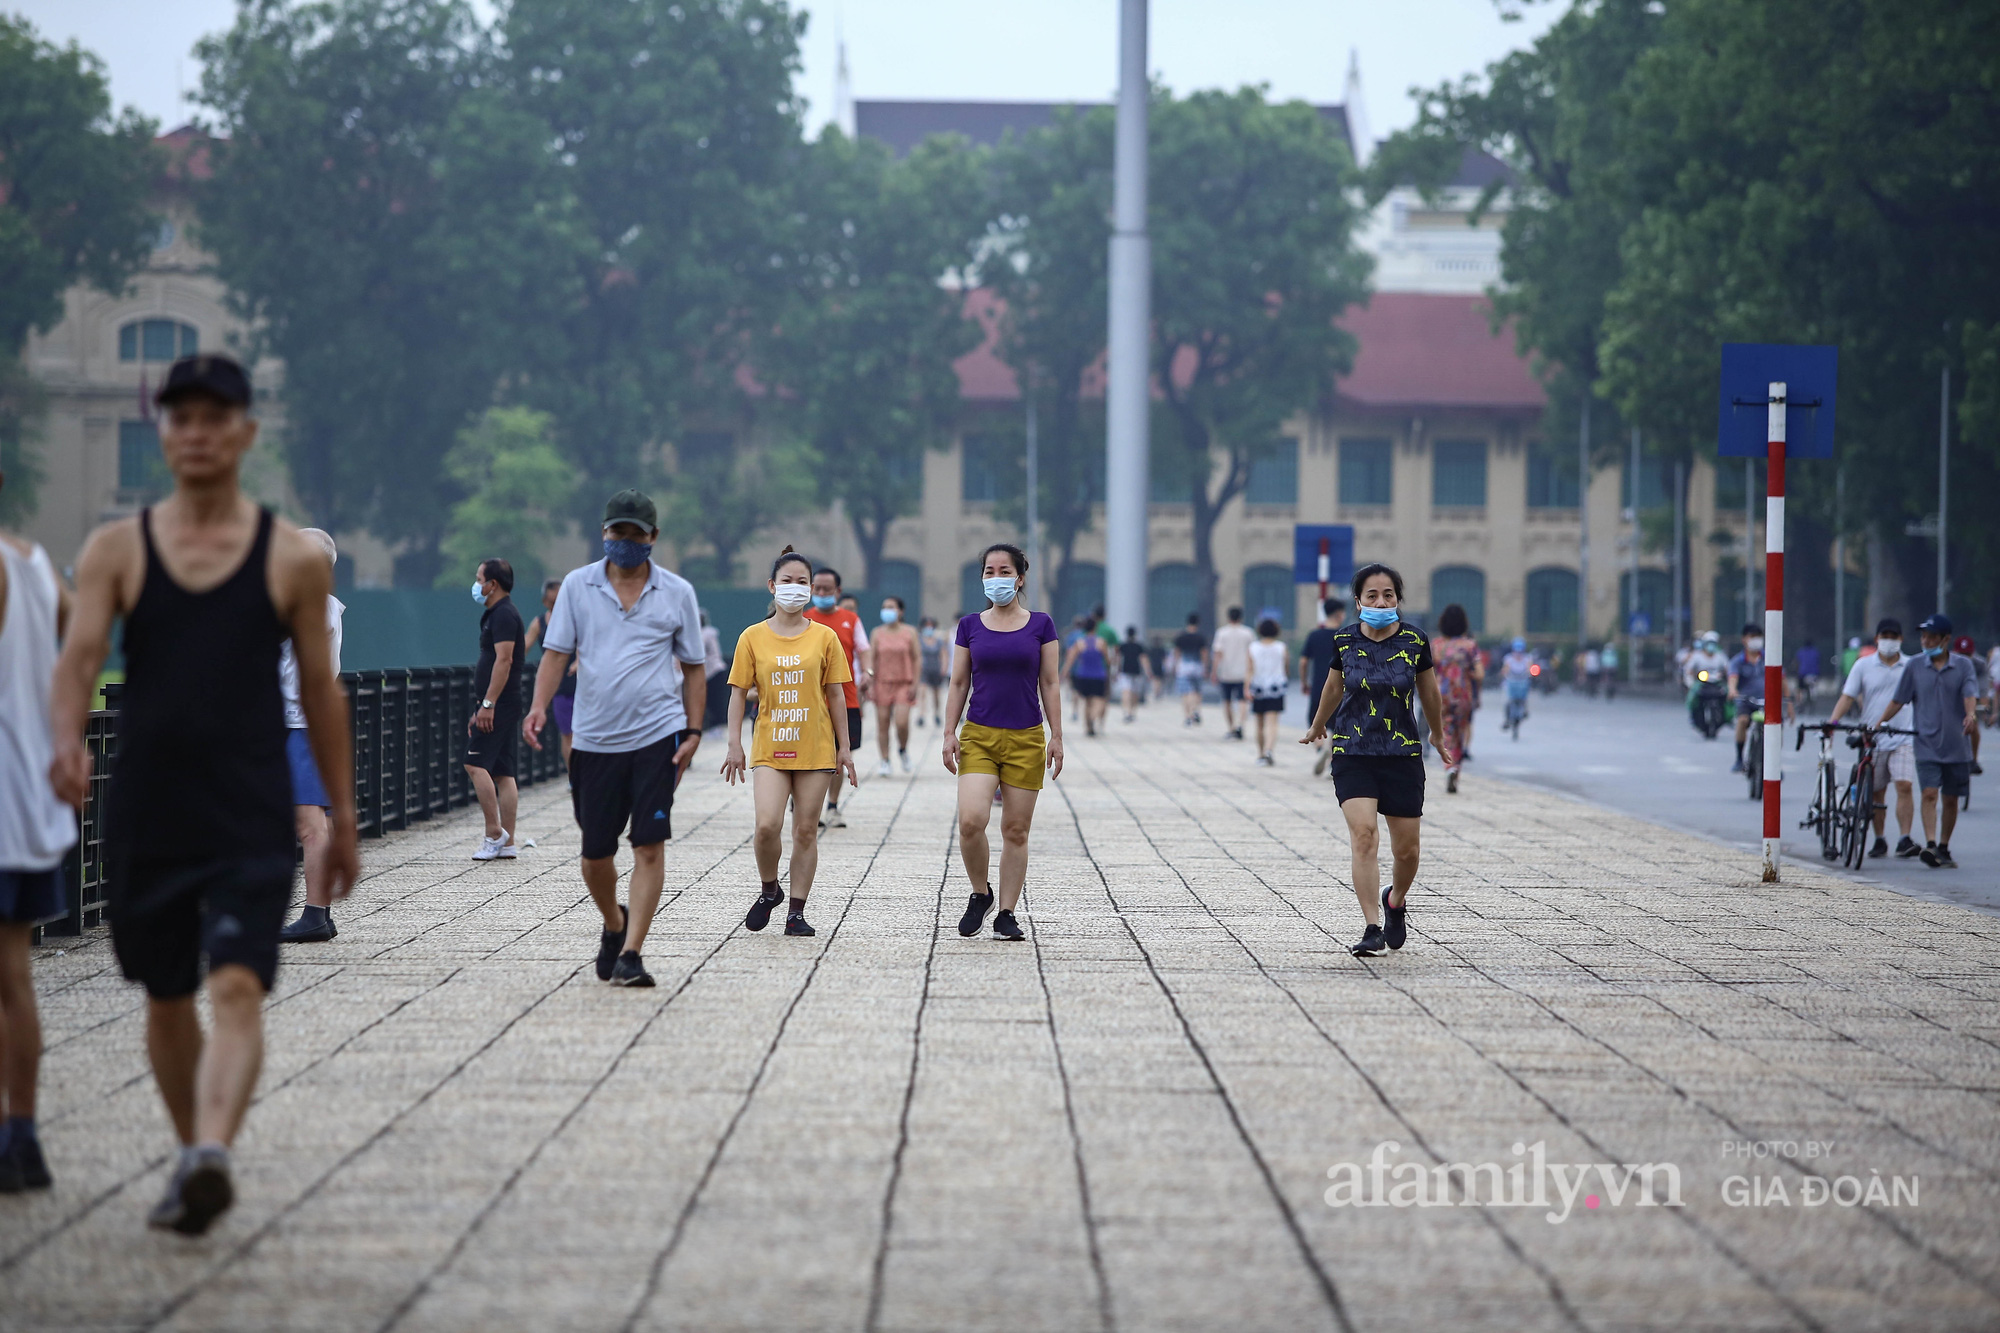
{"type": "Point", "coordinates": [1017, 758]}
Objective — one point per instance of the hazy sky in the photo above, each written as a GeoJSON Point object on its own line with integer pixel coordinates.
{"type": "Point", "coordinates": [997, 49]}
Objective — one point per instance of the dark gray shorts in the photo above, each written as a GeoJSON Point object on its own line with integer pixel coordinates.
{"type": "Point", "coordinates": [1951, 779]}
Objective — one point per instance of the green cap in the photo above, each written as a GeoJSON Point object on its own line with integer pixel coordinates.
{"type": "Point", "coordinates": [630, 506]}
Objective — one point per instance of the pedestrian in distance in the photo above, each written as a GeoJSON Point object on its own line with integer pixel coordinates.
{"type": "Point", "coordinates": [1315, 660]}
{"type": "Point", "coordinates": [829, 609]}
{"type": "Point", "coordinates": [1229, 668]}
{"type": "Point", "coordinates": [36, 831]}
{"type": "Point", "coordinates": [634, 630]}
{"type": "Point", "coordinates": [562, 708]}
{"type": "Point", "coordinates": [799, 750]}
{"type": "Point", "coordinates": [717, 671]}
{"type": "Point", "coordinates": [1269, 682]}
{"type": "Point", "coordinates": [934, 645]}
{"type": "Point", "coordinates": [1008, 663]}
{"type": "Point", "coordinates": [1963, 650]}
{"type": "Point", "coordinates": [1746, 687]}
{"type": "Point", "coordinates": [1459, 669]}
{"type": "Point", "coordinates": [1135, 672]}
{"type": "Point", "coordinates": [897, 655]}
{"type": "Point", "coordinates": [1089, 672]}
{"type": "Point", "coordinates": [1942, 694]}
{"type": "Point", "coordinates": [1190, 669]}
{"type": "Point", "coordinates": [309, 799]}
{"type": "Point", "coordinates": [1382, 667]}
{"type": "Point", "coordinates": [1871, 687]}
{"type": "Point", "coordinates": [198, 831]}
{"type": "Point", "coordinates": [492, 732]}
{"type": "Point", "coordinates": [1806, 661]}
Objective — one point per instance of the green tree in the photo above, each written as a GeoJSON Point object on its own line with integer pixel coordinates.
{"type": "Point", "coordinates": [73, 184]}
{"type": "Point", "coordinates": [1253, 261]}
{"type": "Point", "coordinates": [519, 494]}
{"type": "Point", "coordinates": [722, 495]}
{"type": "Point", "coordinates": [862, 358]}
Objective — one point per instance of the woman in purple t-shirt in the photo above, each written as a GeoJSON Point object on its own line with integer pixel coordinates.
{"type": "Point", "coordinates": [1012, 655]}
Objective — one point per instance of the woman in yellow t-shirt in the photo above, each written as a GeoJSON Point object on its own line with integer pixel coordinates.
{"type": "Point", "coordinates": [797, 753]}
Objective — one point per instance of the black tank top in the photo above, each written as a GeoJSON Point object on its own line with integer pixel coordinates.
{"type": "Point", "coordinates": [200, 773]}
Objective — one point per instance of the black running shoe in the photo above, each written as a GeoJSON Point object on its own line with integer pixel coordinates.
{"type": "Point", "coordinates": [22, 1167]}
{"type": "Point", "coordinates": [1393, 930]}
{"type": "Point", "coordinates": [796, 924]}
{"type": "Point", "coordinates": [1908, 848]}
{"type": "Point", "coordinates": [1005, 927]}
{"type": "Point", "coordinates": [1929, 855]}
{"type": "Point", "coordinates": [1371, 945]}
{"type": "Point", "coordinates": [976, 908]}
{"type": "Point", "coordinates": [198, 1192]}
{"type": "Point", "coordinates": [759, 915]}
{"type": "Point", "coordinates": [306, 930]}
{"type": "Point", "coordinates": [610, 943]}
{"type": "Point", "coordinates": [1944, 861]}
{"type": "Point", "coordinates": [630, 971]}
{"type": "Point", "coordinates": [1881, 848]}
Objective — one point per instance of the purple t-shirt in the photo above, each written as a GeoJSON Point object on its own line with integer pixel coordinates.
{"type": "Point", "coordinates": [1006, 671]}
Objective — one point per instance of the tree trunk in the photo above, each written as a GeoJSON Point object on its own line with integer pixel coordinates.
{"type": "Point", "coordinates": [870, 537]}
{"type": "Point", "coordinates": [1886, 589]}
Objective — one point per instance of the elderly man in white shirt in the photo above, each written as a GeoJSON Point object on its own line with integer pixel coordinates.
{"type": "Point", "coordinates": [309, 799]}
{"type": "Point", "coordinates": [635, 631]}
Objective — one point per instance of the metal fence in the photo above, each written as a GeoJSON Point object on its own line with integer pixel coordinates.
{"type": "Point", "coordinates": [408, 731]}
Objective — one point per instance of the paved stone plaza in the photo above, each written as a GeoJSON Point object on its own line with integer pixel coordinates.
{"type": "Point", "coordinates": [1129, 1122]}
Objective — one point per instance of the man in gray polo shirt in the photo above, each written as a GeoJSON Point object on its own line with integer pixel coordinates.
{"type": "Point", "coordinates": [1942, 691]}
{"type": "Point", "coordinates": [635, 632]}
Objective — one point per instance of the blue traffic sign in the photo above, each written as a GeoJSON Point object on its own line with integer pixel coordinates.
{"type": "Point", "coordinates": [1641, 625]}
{"type": "Point", "coordinates": [1339, 539]}
{"type": "Point", "coordinates": [1749, 370]}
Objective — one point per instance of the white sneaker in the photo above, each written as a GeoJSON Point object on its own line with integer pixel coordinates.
{"type": "Point", "coordinates": [833, 818]}
{"type": "Point", "coordinates": [884, 771]}
{"type": "Point", "coordinates": [508, 851]}
{"type": "Point", "coordinates": [905, 755]}
{"type": "Point", "coordinates": [489, 849]}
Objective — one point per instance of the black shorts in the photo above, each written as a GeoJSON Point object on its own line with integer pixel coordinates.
{"type": "Point", "coordinates": [1394, 782]}
{"type": "Point", "coordinates": [1276, 705]}
{"type": "Point", "coordinates": [495, 750]}
{"type": "Point", "coordinates": [1090, 687]}
{"type": "Point", "coordinates": [853, 730]}
{"type": "Point", "coordinates": [1232, 690]}
{"type": "Point", "coordinates": [610, 788]}
{"type": "Point", "coordinates": [166, 915]}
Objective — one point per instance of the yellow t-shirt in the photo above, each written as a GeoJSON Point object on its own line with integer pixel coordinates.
{"type": "Point", "coordinates": [791, 675]}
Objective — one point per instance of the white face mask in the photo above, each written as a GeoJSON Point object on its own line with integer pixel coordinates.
{"type": "Point", "coordinates": [792, 596]}
{"type": "Point", "coordinates": [1753, 645]}
{"type": "Point", "coordinates": [479, 593]}
{"type": "Point", "coordinates": [1889, 647]}
{"type": "Point", "coordinates": [1000, 591]}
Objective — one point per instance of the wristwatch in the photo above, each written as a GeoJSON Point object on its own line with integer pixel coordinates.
{"type": "Point", "coordinates": [485, 703]}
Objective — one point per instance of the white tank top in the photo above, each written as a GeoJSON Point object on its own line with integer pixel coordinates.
{"type": "Point", "coordinates": [35, 828]}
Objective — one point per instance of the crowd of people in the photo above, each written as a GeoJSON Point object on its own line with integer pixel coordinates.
{"type": "Point", "coordinates": [234, 758]}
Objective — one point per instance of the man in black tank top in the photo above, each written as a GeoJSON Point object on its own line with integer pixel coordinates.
{"type": "Point", "coordinates": [198, 825]}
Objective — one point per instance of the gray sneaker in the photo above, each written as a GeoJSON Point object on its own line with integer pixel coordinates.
{"type": "Point", "coordinates": [199, 1191]}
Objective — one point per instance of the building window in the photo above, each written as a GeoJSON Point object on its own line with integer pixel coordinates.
{"type": "Point", "coordinates": [1079, 591]}
{"type": "Point", "coordinates": [1170, 598]}
{"type": "Point", "coordinates": [1551, 478]}
{"type": "Point", "coordinates": [989, 469]}
{"type": "Point", "coordinates": [1268, 591]}
{"type": "Point", "coordinates": [904, 579]}
{"type": "Point", "coordinates": [156, 340]}
{"type": "Point", "coordinates": [1365, 470]}
{"type": "Point", "coordinates": [1551, 601]}
{"type": "Point", "coordinates": [1274, 478]}
{"type": "Point", "coordinates": [140, 467]}
{"type": "Point", "coordinates": [1458, 474]}
{"type": "Point", "coordinates": [1656, 598]}
{"type": "Point", "coordinates": [1464, 585]}
{"type": "Point", "coordinates": [1656, 483]}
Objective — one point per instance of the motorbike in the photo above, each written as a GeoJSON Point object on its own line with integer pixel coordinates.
{"type": "Point", "coordinates": [1709, 710]}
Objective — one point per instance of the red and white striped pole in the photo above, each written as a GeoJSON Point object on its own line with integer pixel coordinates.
{"type": "Point", "coordinates": [1774, 629]}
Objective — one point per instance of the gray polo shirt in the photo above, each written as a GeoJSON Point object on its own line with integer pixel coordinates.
{"type": "Point", "coordinates": [628, 674]}
{"type": "Point", "coordinates": [1936, 700]}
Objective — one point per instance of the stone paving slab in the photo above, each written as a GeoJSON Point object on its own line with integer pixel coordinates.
{"type": "Point", "coordinates": [1127, 1123]}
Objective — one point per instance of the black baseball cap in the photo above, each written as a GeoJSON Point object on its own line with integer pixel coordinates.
{"type": "Point", "coordinates": [1890, 627]}
{"type": "Point", "coordinates": [210, 374]}
{"type": "Point", "coordinates": [1937, 623]}
{"type": "Point", "coordinates": [631, 506]}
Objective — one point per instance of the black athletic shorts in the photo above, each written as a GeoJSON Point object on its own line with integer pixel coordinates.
{"type": "Point", "coordinates": [1276, 705]}
{"type": "Point", "coordinates": [1232, 691]}
{"type": "Point", "coordinates": [854, 730]}
{"type": "Point", "coordinates": [1090, 687]}
{"type": "Point", "coordinates": [495, 750]}
{"type": "Point", "coordinates": [166, 915]}
{"type": "Point", "coordinates": [1394, 782]}
{"type": "Point", "coordinates": [610, 788]}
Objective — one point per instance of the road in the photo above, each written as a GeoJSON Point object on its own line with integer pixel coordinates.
{"type": "Point", "coordinates": [1640, 756]}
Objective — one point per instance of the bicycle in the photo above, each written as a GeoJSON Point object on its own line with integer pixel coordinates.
{"type": "Point", "coordinates": [1753, 759]}
{"type": "Point", "coordinates": [1517, 709]}
{"type": "Point", "coordinates": [1844, 816]}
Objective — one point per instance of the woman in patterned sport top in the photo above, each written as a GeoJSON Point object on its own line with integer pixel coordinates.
{"type": "Point", "coordinates": [1381, 666]}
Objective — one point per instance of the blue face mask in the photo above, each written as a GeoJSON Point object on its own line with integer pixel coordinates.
{"type": "Point", "coordinates": [479, 593]}
{"type": "Point", "coordinates": [890, 615]}
{"type": "Point", "coordinates": [1934, 653]}
{"type": "Point", "coordinates": [825, 603]}
{"type": "Point", "coordinates": [1000, 591]}
{"type": "Point", "coordinates": [627, 554]}
{"type": "Point", "coordinates": [1379, 616]}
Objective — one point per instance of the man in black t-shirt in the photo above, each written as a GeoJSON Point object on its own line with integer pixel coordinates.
{"type": "Point", "coordinates": [1190, 668]}
{"type": "Point", "coordinates": [496, 722]}
{"type": "Point", "coordinates": [1315, 660]}
{"type": "Point", "coordinates": [1135, 671]}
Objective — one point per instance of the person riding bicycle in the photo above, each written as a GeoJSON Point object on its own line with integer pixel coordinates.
{"type": "Point", "coordinates": [1746, 687]}
{"type": "Point", "coordinates": [1517, 673]}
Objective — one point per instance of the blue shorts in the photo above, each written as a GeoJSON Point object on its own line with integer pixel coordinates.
{"type": "Point", "coordinates": [32, 897]}
{"type": "Point", "coordinates": [1950, 779]}
{"type": "Point", "coordinates": [307, 789]}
